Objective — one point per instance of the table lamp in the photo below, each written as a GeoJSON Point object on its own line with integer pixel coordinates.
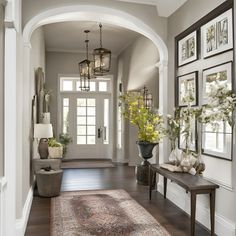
{"type": "Point", "coordinates": [43, 132]}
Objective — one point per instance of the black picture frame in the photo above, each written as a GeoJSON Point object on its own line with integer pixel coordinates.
{"type": "Point", "coordinates": [194, 147]}
{"type": "Point", "coordinates": [183, 78]}
{"type": "Point", "coordinates": [220, 30]}
{"type": "Point", "coordinates": [216, 71]}
{"type": "Point", "coordinates": [188, 48]}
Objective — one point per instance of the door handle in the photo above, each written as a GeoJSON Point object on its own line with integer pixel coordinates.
{"type": "Point", "coordinates": [100, 132]}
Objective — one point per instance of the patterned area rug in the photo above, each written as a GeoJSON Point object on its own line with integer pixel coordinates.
{"type": "Point", "coordinates": [101, 213]}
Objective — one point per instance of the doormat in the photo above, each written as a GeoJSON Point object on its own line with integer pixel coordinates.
{"type": "Point", "coordinates": [101, 213]}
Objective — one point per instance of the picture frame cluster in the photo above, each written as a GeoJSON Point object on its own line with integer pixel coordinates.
{"type": "Point", "coordinates": [202, 43]}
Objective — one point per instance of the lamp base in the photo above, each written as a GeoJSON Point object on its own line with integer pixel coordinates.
{"type": "Point", "coordinates": [43, 148]}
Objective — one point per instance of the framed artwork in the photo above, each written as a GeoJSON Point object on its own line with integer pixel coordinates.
{"type": "Point", "coordinates": [221, 74]}
{"type": "Point", "coordinates": [188, 86]}
{"type": "Point", "coordinates": [187, 49]}
{"type": "Point", "coordinates": [217, 35]}
{"type": "Point", "coordinates": [217, 143]}
{"type": "Point", "coordinates": [192, 138]}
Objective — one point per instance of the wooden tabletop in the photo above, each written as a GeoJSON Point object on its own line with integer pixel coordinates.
{"type": "Point", "coordinates": [186, 180]}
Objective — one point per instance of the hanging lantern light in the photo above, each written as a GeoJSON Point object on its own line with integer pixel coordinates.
{"type": "Point", "coordinates": [86, 69]}
{"type": "Point", "coordinates": [147, 98]}
{"type": "Point", "coordinates": [102, 58]}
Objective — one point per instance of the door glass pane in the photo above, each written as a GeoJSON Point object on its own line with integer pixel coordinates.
{"type": "Point", "coordinates": [81, 130]}
{"type": "Point", "coordinates": [91, 140]}
{"type": "Point", "coordinates": [91, 111]}
{"type": "Point", "coordinates": [81, 120]}
{"type": "Point", "coordinates": [65, 102]}
{"type": "Point", "coordinates": [81, 139]}
{"type": "Point", "coordinates": [81, 102]}
{"type": "Point", "coordinates": [91, 102]}
{"type": "Point", "coordinates": [102, 86]}
{"type": "Point", "coordinates": [91, 130]}
{"type": "Point", "coordinates": [91, 120]}
{"type": "Point", "coordinates": [81, 111]}
{"type": "Point", "coordinates": [106, 121]}
{"type": "Point", "coordinates": [65, 115]}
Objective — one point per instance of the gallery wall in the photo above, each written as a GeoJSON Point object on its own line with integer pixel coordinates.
{"type": "Point", "coordinates": [136, 68]}
{"type": "Point", "coordinates": [220, 171]}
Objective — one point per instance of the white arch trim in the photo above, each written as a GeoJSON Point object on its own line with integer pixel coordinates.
{"type": "Point", "coordinates": [95, 13]}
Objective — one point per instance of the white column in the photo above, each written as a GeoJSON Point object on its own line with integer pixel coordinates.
{"type": "Point", "coordinates": [10, 129]}
{"type": "Point", "coordinates": [163, 105]}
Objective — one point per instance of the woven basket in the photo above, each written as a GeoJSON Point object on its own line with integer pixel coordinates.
{"type": "Point", "coordinates": [55, 152]}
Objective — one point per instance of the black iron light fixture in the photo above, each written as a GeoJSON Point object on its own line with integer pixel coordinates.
{"type": "Point", "coordinates": [102, 58]}
{"type": "Point", "coordinates": [86, 69]}
{"type": "Point", "coordinates": [147, 98]}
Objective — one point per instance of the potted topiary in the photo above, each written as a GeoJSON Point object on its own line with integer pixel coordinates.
{"type": "Point", "coordinates": [65, 140]}
{"type": "Point", "coordinates": [55, 149]}
{"type": "Point", "coordinates": [150, 126]}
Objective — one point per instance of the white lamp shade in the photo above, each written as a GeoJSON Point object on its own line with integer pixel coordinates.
{"type": "Point", "coordinates": [43, 131]}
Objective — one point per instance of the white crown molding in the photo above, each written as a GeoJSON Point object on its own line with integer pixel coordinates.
{"type": "Point", "coordinates": [165, 8]}
{"type": "Point", "coordinates": [60, 50]}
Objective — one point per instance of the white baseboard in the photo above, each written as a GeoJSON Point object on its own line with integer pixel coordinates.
{"type": "Point", "coordinates": [223, 226]}
{"type": "Point", "coordinates": [22, 222]}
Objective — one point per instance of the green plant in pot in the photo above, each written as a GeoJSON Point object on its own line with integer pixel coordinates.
{"type": "Point", "coordinates": [55, 149]}
{"type": "Point", "coordinates": [65, 140]}
{"type": "Point", "coordinates": [150, 126]}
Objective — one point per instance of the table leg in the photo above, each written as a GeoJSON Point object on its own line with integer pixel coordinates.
{"type": "Point", "coordinates": [150, 179]}
{"type": "Point", "coordinates": [165, 186]}
{"type": "Point", "coordinates": [212, 212]}
{"type": "Point", "coordinates": [193, 212]}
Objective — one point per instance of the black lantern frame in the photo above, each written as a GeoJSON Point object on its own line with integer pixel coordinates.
{"type": "Point", "coordinates": [102, 58]}
{"type": "Point", "coordinates": [86, 69]}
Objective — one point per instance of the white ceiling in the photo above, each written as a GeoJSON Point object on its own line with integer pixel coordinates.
{"type": "Point", "coordinates": [70, 36]}
{"type": "Point", "coordinates": [164, 7]}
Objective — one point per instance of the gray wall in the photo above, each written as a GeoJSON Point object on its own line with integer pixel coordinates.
{"type": "Point", "coordinates": [1, 89]}
{"type": "Point", "coordinates": [61, 63]}
{"type": "Point", "coordinates": [216, 169]}
{"type": "Point", "coordinates": [136, 68]}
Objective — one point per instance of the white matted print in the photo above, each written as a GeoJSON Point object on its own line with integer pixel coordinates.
{"type": "Point", "coordinates": [221, 74]}
{"type": "Point", "coordinates": [217, 35]}
{"type": "Point", "coordinates": [188, 87]}
{"type": "Point", "coordinates": [187, 49]}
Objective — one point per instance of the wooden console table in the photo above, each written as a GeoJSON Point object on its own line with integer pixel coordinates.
{"type": "Point", "coordinates": [191, 183]}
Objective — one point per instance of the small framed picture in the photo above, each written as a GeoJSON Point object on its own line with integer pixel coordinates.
{"type": "Point", "coordinates": [220, 74]}
{"type": "Point", "coordinates": [188, 89]}
{"type": "Point", "coordinates": [191, 139]}
{"type": "Point", "coordinates": [217, 35]}
{"type": "Point", "coordinates": [187, 49]}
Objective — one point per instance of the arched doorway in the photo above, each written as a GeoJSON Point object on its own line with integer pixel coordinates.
{"type": "Point", "coordinates": [109, 15]}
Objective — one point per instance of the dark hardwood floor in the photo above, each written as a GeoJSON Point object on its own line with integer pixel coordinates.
{"type": "Point", "coordinates": [167, 214]}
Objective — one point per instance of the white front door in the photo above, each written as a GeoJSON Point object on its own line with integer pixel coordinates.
{"type": "Point", "coordinates": [87, 118]}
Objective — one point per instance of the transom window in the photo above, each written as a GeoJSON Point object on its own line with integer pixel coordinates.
{"type": "Point", "coordinates": [72, 84]}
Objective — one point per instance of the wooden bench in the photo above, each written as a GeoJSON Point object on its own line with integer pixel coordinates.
{"type": "Point", "coordinates": [191, 183]}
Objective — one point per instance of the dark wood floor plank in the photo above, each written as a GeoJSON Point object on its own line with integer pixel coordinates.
{"type": "Point", "coordinates": [167, 214]}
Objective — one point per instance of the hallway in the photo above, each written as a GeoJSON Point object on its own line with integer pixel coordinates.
{"type": "Point", "coordinates": [167, 214]}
